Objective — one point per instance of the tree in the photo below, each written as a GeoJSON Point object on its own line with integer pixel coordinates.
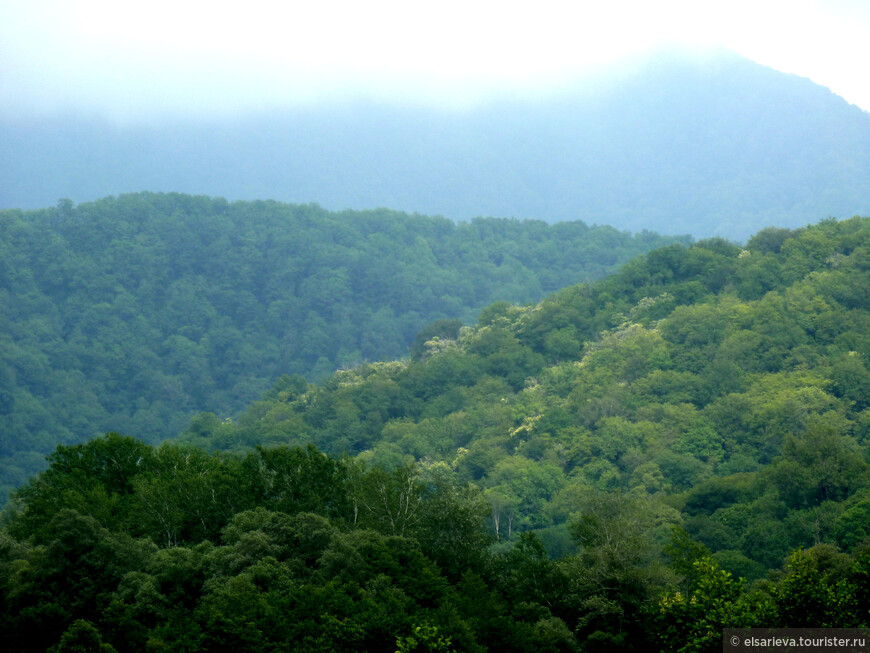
{"type": "Point", "coordinates": [692, 622]}
{"type": "Point", "coordinates": [186, 495]}
{"type": "Point", "coordinates": [297, 480]}
{"type": "Point", "coordinates": [424, 639]}
{"type": "Point", "coordinates": [95, 478]}
{"type": "Point", "coordinates": [820, 465]}
{"type": "Point", "coordinates": [815, 592]}
{"type": "Point", "coordinates": [440, 329]}
{"type": "Point", "coordinates": [526, 485]}
{"type": "Point", "coordinates": [614, 576]}
{"type": "Point", "coordinates": [391, 502]}
{"type": "Point", "coordinates": [451, 527]}
{"type": "Point", "coordinates": [82, 637]}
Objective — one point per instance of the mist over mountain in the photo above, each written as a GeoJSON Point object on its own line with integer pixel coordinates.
{"type": "Point", "coordinates": [712, 146]}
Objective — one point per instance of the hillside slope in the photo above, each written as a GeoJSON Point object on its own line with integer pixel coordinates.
{"type": "Point", "coordinates": [687, 439]}
{"type": "Point", "coordinates": [134, 313]}
{"type": "Point", "coordinates": [731, 385]}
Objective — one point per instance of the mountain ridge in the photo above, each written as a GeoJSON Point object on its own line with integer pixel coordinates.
{"type": "Point", "coordinates": [714, 146]}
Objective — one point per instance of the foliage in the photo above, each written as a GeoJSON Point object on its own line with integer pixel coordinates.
{"type": "Point", "coordinates": [689, 454]}
{"type": "Point", "coordinates": [134, 313]}
{"type": "Point", "coordinates": [677, 377]}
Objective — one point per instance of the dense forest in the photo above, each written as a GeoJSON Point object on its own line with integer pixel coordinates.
{"type": "Point", "coordinates": [730, 383]}
{"type": "Point", "coordinates": [630, 464]}
{"type": "Point", "coordinates": [135, 313]}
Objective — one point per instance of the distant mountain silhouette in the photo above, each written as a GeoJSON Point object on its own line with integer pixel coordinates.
{"type": "Point", "coordinates": [711, 146]}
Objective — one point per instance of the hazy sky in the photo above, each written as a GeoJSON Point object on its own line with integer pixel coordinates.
{"type": "Point", "coordinates": [139, 59]}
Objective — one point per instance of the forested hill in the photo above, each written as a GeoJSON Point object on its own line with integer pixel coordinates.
{"type": "Point", "coordinates": [728, 386]}
{"type": "Point", "coordinates": [594, 472]}
{"type": "Point", "coordinates": [133, 313]}
{"type": "Point", "coordinates": [674, 144]}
